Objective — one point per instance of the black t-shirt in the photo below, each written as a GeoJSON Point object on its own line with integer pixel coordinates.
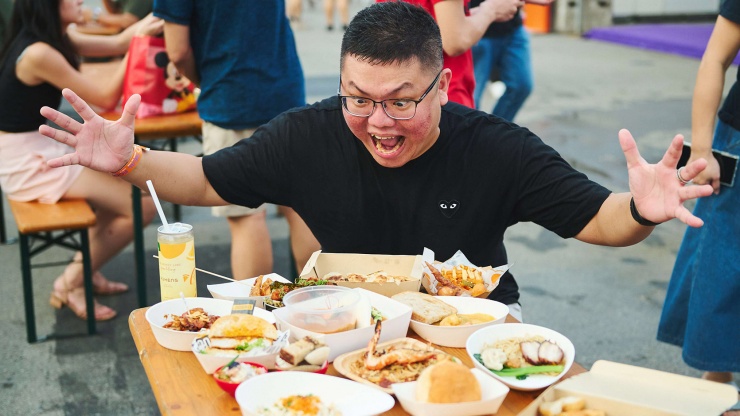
{"type": "Point", "coordinates": [730, 111]}
{"type": "Point", "coordinates": [481, 176]}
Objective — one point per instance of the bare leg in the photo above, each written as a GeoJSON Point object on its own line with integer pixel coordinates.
{"type": "Point", "coordinates": [343, 6]}
{"type": "Point", "coordinates": [251, 248]}
{"type": "Point", "coordinates": [111, 200]}
{"type": "Point", "coordinates": [720, 377]}
{"type": "Point", "coordinates": [302, 241]}
{"type": "Point", "coordinates": [294, 9]}
{"type": "Point", "coordinates": [329, 13]}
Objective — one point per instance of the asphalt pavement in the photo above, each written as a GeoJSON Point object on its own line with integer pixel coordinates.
{"type": "Point", "coordinates": [606, 300]}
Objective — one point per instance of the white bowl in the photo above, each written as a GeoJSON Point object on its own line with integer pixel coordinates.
{"type": "Point", "coordinates": [493, 394]}
{"type": "Point", "coordinates": [350, 398]}
{"type": "Point", "coordinates": [157, 315]}
{"type": "Point", "coordinates": [492, 334]}
{"type": "Point", "coordinates": [240, 290]}
{"type": "Point", "coordinates": [455, 336]}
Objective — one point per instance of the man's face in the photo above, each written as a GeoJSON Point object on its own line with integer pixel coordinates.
{"type": "Point", "coordinates": [393, 143]}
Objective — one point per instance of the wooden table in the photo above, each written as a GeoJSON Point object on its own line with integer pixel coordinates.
{"type": "Point", "coordinates": [181, 387]}
{"type": "Point", "coordinates": [92, 28]}
{"type": "Point", "coordinates": [170, 127]}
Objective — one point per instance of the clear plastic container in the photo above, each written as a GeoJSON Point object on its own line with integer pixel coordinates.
{"type": "Point", "coordinates": [322, 309]}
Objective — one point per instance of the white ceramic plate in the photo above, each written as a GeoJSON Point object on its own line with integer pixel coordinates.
{"type": "Point", "coordinates": [343, 363]}
{"type": "Point", "coordinates": [492, 334]}
{"type": "Point", "coordinates": [350, 398]}
{"type": "Point", "coordinates": [493, 394]}
{"type": "Point", "coordinates": [455, 336]}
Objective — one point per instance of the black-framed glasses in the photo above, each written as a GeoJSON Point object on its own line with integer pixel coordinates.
{"type": "Point", "coordinates": [395, 108]}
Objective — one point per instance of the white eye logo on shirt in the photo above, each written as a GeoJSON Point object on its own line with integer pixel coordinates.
{"type": "Point", "coordinates": [449, 208]}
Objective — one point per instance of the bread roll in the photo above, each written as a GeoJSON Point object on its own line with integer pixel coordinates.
{"type": "Point", "coordinates": [241, 326]}
{"type": "Point", "coordinates": [425, 308]}
{"type": "Point", "coordinates": [447, 382]}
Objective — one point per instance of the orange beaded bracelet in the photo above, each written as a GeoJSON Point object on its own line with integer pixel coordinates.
{"type": "Point", "coordinates": [131, 164]}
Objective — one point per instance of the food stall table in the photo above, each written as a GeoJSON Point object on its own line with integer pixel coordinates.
{"type": "Point", "coordinates": [181, 386]}
{"type": "Point", "coordinates": [171, 127]}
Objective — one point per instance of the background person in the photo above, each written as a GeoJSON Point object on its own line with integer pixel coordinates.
{"type": "Point", "coordinates": [342, 6]}
{"type": "Point", "coordinates": [505, 48]}
{"type": "Point", "coordinates": [246, 77]}
{"type": "Point", "coordinates": [461, 27]}
{"type": "Point", "coordinates": [702, 305]}
{"type": "Point", "coordinates": [119, 13]}
{"type": "Point", "coordinates": [381, 171]}
{"type": "Point", "coordinates": [38, 60]}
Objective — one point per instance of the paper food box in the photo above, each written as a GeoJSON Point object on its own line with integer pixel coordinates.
{"type": "Point", "coordinates": [368, 267]}
{"type": "Point", "coordinates": [458, 276]}
{"type": "Point", "coordinates": [242, 289]}
{"type": "Point", "coordinates": [395, 325]}
{"type": "Point", "coordinates": [626, 390]}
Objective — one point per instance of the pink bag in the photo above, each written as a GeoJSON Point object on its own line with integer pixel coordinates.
{"type": "Point", "coordinates": [150, 74]}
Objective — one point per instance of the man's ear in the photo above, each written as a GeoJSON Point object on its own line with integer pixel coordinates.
{"type": "Point", "coordinates": [444, 85]}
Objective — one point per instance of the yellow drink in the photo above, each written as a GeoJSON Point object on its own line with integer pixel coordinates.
{"type": "Point", "coordinates": [176, 248]}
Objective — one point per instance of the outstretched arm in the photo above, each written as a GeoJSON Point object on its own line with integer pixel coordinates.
{"type": "Point", "coordinates": [106, 146]}
{"type": "Point", "coordinates": [658, 195]}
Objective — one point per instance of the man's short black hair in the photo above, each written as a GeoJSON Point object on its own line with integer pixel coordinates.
{"type": "Point", "coordinates": [393, 33]}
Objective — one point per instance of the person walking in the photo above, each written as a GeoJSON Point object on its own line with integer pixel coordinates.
{"type": "Point", "coordinates": [246, 77]}
{"type": "Point", "coordinates": [461, 28]}
{"type": "Point", "coordinates": [702, 305]}
{"type": "Point", "coordinates": [504, 48]}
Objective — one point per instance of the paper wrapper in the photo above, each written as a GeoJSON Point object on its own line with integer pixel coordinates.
{"type": "Point", "coordinates": [490, 275]}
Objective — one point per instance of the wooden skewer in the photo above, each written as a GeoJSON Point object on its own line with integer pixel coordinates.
{"type": "Point", "coordinates": [214, 274]}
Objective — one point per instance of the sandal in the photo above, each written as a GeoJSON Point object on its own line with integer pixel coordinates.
{"type": "Point", "coordinates": [75, 299]}
{"type": "Point", "coordinates": [105, 287]}
{"type": "Point", "coordinates": [101, 285]}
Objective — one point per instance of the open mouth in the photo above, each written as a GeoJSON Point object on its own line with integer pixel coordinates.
{"type": "Point", "coordinates": [387, 145]}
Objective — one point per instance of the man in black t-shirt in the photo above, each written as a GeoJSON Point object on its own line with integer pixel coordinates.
{"type": "Point", "coordinates": [389, 166]}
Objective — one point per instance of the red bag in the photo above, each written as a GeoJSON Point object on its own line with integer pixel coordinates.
{"type": "Point", "coordinates": [150, 74]}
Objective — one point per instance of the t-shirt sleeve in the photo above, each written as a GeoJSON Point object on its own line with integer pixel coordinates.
{"type": "Point", "coordinates": [730, 10]}
{"type": "Point", "coordinates": [255, 170]}
{"type": "Point", "coordinates": [553, 194]}
{"type": "Point", "coordinates": [174, 11]}
{"type": "Point", "coordinates": [138, 8]}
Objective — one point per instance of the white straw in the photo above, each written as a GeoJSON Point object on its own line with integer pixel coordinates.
{"type": "Point", "coordinates": [156, 202]}
{"type": "Point", "coordinates": [214, 274]}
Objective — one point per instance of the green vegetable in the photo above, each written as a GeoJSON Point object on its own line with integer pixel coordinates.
{"type": "Point", "coordinates": [525, 371]}
{"type": "Point", "coordinates": [248, 346]}
{"type": "Point", "coordinates": [522, 372]}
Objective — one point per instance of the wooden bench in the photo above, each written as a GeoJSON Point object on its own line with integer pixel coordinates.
{"type": "Point", "coordinates": [42, 226]}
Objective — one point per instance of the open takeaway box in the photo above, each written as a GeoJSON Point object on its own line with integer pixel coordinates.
{"type": "Point", "coordinates": [397, 317]}
{"type": "Point", "coordinates": [321, 264]}
{"type": "Point", "coordinates": [626, 390]}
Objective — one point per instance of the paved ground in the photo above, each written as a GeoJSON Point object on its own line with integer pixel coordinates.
{"type": "Point", "coordinates": [606, 300]}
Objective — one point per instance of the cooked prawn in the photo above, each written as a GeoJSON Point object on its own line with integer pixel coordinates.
{"type": "Point", "coordinates": [375, 360]}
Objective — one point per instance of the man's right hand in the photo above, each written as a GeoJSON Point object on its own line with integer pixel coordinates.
{"type": "Point", "coordinates": [99, 144]}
